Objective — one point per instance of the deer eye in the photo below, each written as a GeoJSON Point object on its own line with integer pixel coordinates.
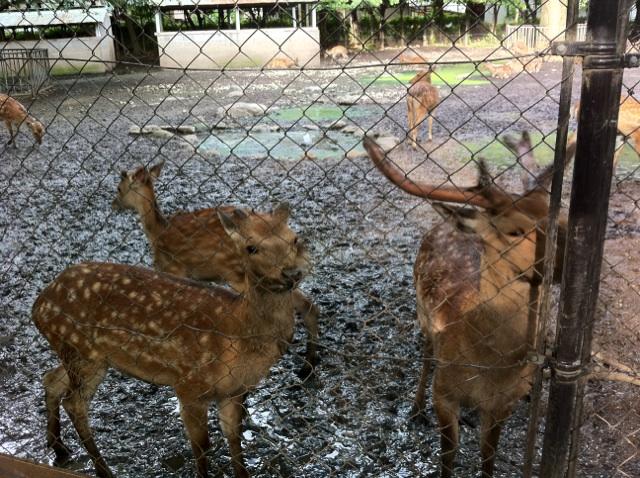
{"type": "Point", "coordinates": [295, 241]}
{"type": "Point", "coordinates": [252, 250]}
{"type": "Point", "coordinates": [516, 233]}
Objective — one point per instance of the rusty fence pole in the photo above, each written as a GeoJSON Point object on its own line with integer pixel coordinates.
{"type": "Point", "coordinates": [602, 53]}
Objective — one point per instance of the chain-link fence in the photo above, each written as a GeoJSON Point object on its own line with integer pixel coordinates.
{"type": "Point", "coordinates": [274, 125]}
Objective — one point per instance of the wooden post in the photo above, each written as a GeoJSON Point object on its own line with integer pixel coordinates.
{"type": "Point", "coordinates": [158, 21]}
{"type": "Point", "coordinates": [237, 18]}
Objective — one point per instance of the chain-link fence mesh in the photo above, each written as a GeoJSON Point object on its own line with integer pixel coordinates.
{"type": "Point", "coordinates": [156, 107]}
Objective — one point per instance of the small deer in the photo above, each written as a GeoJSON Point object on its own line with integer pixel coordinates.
{"type": "Point", "coordinates": [195, 245]}
{"type": "Point", "coordinates": [410, 58]}
{"type": "Point", "coordinates": [473, 277]}
{"type": "Point", "coordinates": [280, 62]}
{"type": "Point", "coordinates": [12, 112]}
{"type": "Point", "coordinates": [206, 342]}
{"type": "Point", "coordinates": [501, 72]}
{"type": "Point", "coordinates": [337, 53]}
{"type": "Point", "coordinates": [422, 99]}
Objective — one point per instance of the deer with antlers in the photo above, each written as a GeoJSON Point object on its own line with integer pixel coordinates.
{"type": "Point", "coordinates": [422, 99]}
{"type": "Point", "coordinates": [196, 245]}
{"type": "Point", "coordinates": [206, 342]}
{"type": "Point", "coordinates": [473, 277]}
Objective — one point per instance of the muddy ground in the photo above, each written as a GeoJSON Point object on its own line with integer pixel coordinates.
{"type": "Point", "coordinates": [352, 419]}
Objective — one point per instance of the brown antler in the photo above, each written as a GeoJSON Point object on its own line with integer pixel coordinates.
{"type": "Point", "coordinates": [417, 188]}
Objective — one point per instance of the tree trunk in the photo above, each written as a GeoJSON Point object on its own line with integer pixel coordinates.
{"type": "Point", "coordinates": [353, 36]}
{"type": "Point", "coordinates": [382, 10]}
{"type": "Point", "coordinates": [133, 37]}
{"type": "Point", "coordinates": [553, 17]}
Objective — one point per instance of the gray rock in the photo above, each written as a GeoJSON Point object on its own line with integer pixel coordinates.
{"type": "Point", "coordinates": [242, 110]}
{"type": "Point", "coordinates": [387, 143]}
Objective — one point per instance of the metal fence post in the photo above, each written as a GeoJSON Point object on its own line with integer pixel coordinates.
{"type": "Point", "coordinates": [601, 86]}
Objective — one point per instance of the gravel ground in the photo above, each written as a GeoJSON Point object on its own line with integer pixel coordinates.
{"type": "Point", "coordinates": [352, 419]}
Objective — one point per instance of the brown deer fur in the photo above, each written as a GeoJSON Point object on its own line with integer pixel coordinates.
{"type": "Point", "coordinates": [422, 99]}
{"type": "Point", "coordinates": [12, 112]}
{"type": "Point", "coordinates": [195, 245]}
{"type": "Point", "coordinates": [207, 343]}
{"type": "Point", "coordinates": [282, 62]}
{"type": "Point", "coordinates": [473, 277]}
{"type": "Point", "coordinates": [410, 58]}
{"type": "Point", "coordinates": [337, 53]}
{"type": "Point", "coordinates": [628, 124]}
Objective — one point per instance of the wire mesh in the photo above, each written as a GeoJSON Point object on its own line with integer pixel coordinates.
{"type": "Point", "coordinates": [158, 107]}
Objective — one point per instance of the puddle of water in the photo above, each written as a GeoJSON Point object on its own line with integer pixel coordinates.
{"type": "Point", "coordinates": [281, 145]}
{"type": "Point", "coordinates": [324, 113]}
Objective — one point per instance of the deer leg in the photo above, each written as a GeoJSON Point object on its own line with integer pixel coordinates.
{"type": "Point", "coordinates": [447, 413]}
{"type": "Point", "coordinates": [10, 128]}
{"type": "Point", "coordinates": [194, 416]}
{"type": "Point", "coordinates": [417, 411]}
{"type": "Point", "coordinates": [84, 379]}
{"type": "Point", "coordinates": [230, 412]}
{"type": "Point", "coordinates": [491, 426]}
{"type": "Point", "coordinates": [56, 386]}
{"type": "Point", "coordinates": [430, 127]}
{"type": "Point", "coordinates": [309, 312]}
{"type": "Point", "coordinates": [411, 122]}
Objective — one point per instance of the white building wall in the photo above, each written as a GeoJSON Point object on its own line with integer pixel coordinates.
{"type": "Point", "coordinates": [238, 48]}
{"type": "Point", "coordinates": [69, 56]}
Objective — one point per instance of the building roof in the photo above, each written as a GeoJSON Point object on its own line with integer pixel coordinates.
{"type": "Point", "coordinates": [215, 3]}
{"type": "Point", "coordinates": [43, 18]}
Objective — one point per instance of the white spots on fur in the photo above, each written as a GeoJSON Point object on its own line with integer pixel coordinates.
{"type": "Point", "coordinates": [80, 283]}
{"type": "Point", "coordinates": [74, 338]}
{"type": "Point", "coordinates": [132, 295]}
{"type": "Point", "coordinates": [86, 293]}
{"type": "Point", "coordinates": [95, 287]}
{"type": "Point", "coordinates": [126, 281]}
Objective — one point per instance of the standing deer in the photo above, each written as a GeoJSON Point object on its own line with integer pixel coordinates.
{"type": "Point", "coordinates": [337, 53]}
{"type": "Point", "coordinates": [12, 112]}
{"type": "Point", "coordinates": [207, 343]}
{"type": "Point", "coordinates": [195, 245]}
{"type": "Point", "coordinates": [473, 276]}
{"type": "Point", "coordinates": [422, 99]}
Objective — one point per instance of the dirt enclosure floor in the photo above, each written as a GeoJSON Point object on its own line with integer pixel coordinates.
{"type": "Point", "coordinates": [352, 418]}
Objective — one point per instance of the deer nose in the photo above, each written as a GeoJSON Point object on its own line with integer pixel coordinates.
{"type": "Point", "coordinates": [293, 274]}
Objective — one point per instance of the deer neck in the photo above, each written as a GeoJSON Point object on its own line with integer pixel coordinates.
{"type": "Point", "coordinates": [153, 222]}
{"type": "Point", "coordinates": [269, 314]}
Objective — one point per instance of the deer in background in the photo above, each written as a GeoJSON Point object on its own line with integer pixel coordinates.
{"type": "Point", "coordinates": [422, 99]}
{"type": "Point", "coordinates": [207, 343]}
{"type": "Point", "coordinates": [473, 277]}
{"type": "Point", "coordinates": [337, 53]}
{"type": "Point", "coordinates": [282, 62]}
{"type": "Point", "coordinates": [12, 112]}
{"type": "Point", "coordinates": [628, 124]}
{"type": "Point", "coordinates": [196, 245]}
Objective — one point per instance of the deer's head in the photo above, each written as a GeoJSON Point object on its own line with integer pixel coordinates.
{"type": "Point", "coordinates": [136, 187]}
{"type": "Point", "coordinates": [274, 256]}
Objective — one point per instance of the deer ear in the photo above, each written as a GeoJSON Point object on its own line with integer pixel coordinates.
{"type": "Point", "coordinates": [232, 221]}
{"type": "Point", "coordinates": [124, 175]}
{"type": "Point", "coordinates": [139, 174]}
{"type": "Point", "coordinates": [155, 171]}
{"type": "Point", "coordinates": [282, 211]}
{"type": "Point", "coordinates": [463, 218]}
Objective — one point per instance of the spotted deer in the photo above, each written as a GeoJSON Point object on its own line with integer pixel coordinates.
{"type": "Point", "coordinates": [501, 72]}
{"type": "Point", "coordinates": [473, 276]}
{"type": "Point", "coordinates": [411, 58]}
{"type": "Point", "coordinates": [206, 342]}
{"type": "Point", "coordinates": [422, 99]}
{"type": "Point", "coordinates": [281, 62]}
{"type": "Point", "coordinates": [195, 245]}
{"type": "Point", "coordinates": [337, 53]}
{"type": "Point", "coordinates": [12, 112]}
